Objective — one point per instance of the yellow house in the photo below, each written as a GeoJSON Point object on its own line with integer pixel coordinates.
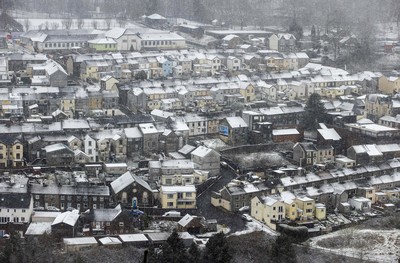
{"type": "Point", "coordinates": [154, 105]}
{"type": "Point", "coordinates": [109, 83]}
{"type": "Point", "coordinates": [291, 209]}
{"type": "Point", "coordinates": [95, 101]}
{"type": "Point", "coordinates": [178, 197]}
{"type": "Point", "coordinates": [320, 211]}
{"type": "Point", "coordinates": [103, 44]}
{"type": "Point", "coordinates": [11, 152]}
{"type": "Point", "coordinates": [268, 209]}
{"type": "Point", "coordinates": [389, 85]}
{"type": "Point", "coordinates": [3, 155]}
{"type": "Point", "coordinates": [306, 205]}
{"type": "Point", "coordinates": [247, 91]}
{"type": "Point", "coordinates": [68, 105]}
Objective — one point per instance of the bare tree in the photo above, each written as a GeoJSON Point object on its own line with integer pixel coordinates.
{"type": "Point", "coordinates": [94, 24]}
{"type": "Point", "coordinates": [40, 27]}
{"type": "Point", "coordinates": [80, 23]}
{"type": "Point", "coordinates": [47, 25]}
{"type": "Point", "coordinates": [121, 22]}
{"type": "Point", "coordinates": [27, 24]}
{"type": "Point", "coordinates": [108, 23]}
{"type": "Point", "coordinates": [55, 25]}
{"type": "Point", "coordinates": [67, 23]}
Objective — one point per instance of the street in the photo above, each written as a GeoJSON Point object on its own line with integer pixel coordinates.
{"type": "Point", "coordinates": [206, 209]}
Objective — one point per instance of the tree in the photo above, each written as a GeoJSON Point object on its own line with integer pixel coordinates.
{"type": "Point", "coordinates": [194, 254]}
{"type": "Point", "coordinates": [94, 24]}
{"type": "Point", "coordinates": [282, 250]}
{"type": "Point", "coordinates": [67, 23]}
{"type": "Point", "coordinates": [217, 249]}
{"type": "Point", "coordinates": [314, 112]}
{"type": "Point", "coordinates": [296, 30]}
{"type": "Point", "coordinates": [141, 75]}
{"type": "Point", "coordinates": [80, 23]}
{"type": "Point", "coordinates": [54, 25]}
{"type": "Point", "coordinates": [12, 251]}
{"type": "Point", "coordinates": [27, 24]}
{"type": "Point", "coordinates": [174, 249]}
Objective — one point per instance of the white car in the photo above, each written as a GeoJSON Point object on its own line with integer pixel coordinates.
{"type": "Point", "coordinates": [247, 217]}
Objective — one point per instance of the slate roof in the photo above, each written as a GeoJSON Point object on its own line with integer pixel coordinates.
{"type": "Point", "coordinates": [15, 200]}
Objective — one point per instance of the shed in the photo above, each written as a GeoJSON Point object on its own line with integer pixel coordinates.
{"type": "Point", "coordinates": [78, 243]}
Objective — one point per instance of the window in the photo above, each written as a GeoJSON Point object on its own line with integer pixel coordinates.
{"type": "Point", "coordinates": [23, 211]}
{"type": "Point", "coordinates": [62, 198]}
{"type": "Point", "coordinates": [188, 194]}
{"type": "Point", "coordinates": [170, 196]}
{"type": "Point", "coordinates": [94, 206]}
{"type": "Point", "coordinates": [170, 204]}
{"type": "Point", "coordinates": [18, 147]}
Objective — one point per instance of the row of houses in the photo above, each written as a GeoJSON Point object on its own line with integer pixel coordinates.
{"type": "Point", "coordinates": [330, 187]}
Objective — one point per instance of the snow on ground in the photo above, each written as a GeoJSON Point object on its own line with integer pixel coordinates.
{"type": "Point", "coordinates": [216, 144]}
{"type": "Point", "coordinates": [254, 226]}
{"type": "Point", "coordinates": [101, 24]}
{"type": "Point", "coordinates": [368, 244]}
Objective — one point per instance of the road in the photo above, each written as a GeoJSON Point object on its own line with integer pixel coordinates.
{"type": "Point", "coordinates": [204, 207]}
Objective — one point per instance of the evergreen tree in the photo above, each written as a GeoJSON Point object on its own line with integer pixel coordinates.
{"type": "Point", "coordinates": [296, 29]}
{"type": "Point", "coordinates": [314, 112]}
{"type": "Point", "coordinates": [174, 250]}
{"type": "Point", "coordinates": [217, 249]}
{"type": "Point", "coordinates": [283, 250]}
{"type": "Point", "coordinates": [12, 251]}
{"type": "Point", "coordinates": [194, 254]}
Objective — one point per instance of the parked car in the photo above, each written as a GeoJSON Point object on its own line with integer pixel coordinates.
{"type": "Point", "coordinates": [172, 214]}
{"type": "Point", "coordinates": [247, 217]}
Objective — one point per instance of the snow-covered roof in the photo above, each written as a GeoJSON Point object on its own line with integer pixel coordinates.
{"type": "Point", "coordinates": [127, 179]}
{"type": "Point", "coordinates": [202, 151]}
{"type": "Point", "coordinates": [133, 238]}
{"type": "Point", "coordinates": [178, 189]}
{"type": "Point", "coordinates": [236, 122]}
{"type": "Point", "coordinates": [80, 241]}
{"type": "Point", "coordinates": [281, 132]}
{"type": "Point", "coordinates": [69, 218]}
{"type": "Point", "coordinates": [185, 220]}
{"type": "Point", "coordinates": [109, 241]}
{"type": "Point", "coordinates": [38, 228]}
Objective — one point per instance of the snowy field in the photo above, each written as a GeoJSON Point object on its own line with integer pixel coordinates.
{"type": "Point", "coordinates": [255, 226]}
{"type": "Point", "coordinates": [366, 244]}
{"type": "Point", "coordinates": [54, 23]}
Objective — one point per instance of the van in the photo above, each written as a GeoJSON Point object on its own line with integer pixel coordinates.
{"type": "Point", "coordinates": [172, 214]}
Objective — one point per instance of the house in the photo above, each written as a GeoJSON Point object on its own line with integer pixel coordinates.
{"type": "Point", "coordinates": [15, 208]}
{"type": "Point", "coordinates": [103, 44]}
{"type": "Point", "coordinates": [50, 72]}
{"type": "Point", "coordinates": [233, 63]}
{"type": "Point", "coordinates": [178, 197]}
{"type": "Point", "coordinates": [65, 224]}
{"type": "Point", "coordinates": [104, 221]}
{"type": "Point", "coordinates": [206, 159]}
{"type": "Point", "coordinates": [11, 151]}
{"type": "Point", "coordinates": [285, 135]}
{"type": "Point", "coordinates": [377, 105]}
{"type": "Point", "coordinates": [129, 186]}
{"type": "Point", "coordinates": [330, 137]}
{"type": "Point", "coordinates": [109, 83]}
{"type": "Point", "coordinates": [231, 41]}
{"type": "Point", "coordinates": [389, 85]}
{"type": "Point", "coordinates": [282, 42]}
{"type": "Point", "coordinates": [268, 209]}
{"type": "Point", "coordinates": [360, 204]}
{"type": "Point", "coordinates": [365, 154]}
{"type": "Point", "coordinates": [191, 224]}
{"type": "Point", "coordinates": [307, 206]}
{"type": "Point", "coordinates": [155, 20]}
{"type": "Point", "coordinates": [238, 194]}
{"type": "Point", "coordinates": [233, 131]}
{"type": "Point", "coordinates": [58, 155]}
{"type": "Point", "coordinates": [150, 138]}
